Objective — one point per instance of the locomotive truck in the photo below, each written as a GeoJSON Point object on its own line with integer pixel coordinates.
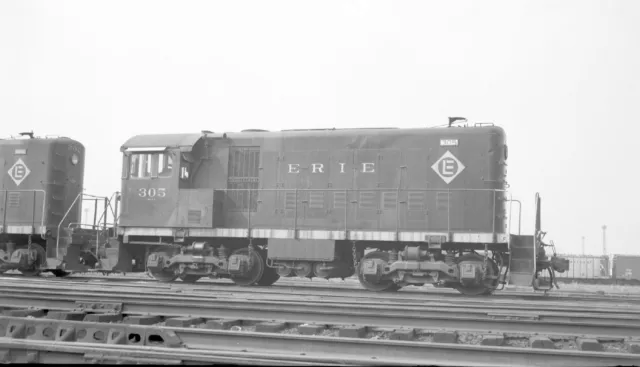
{"type": "Point", "coordinates": [395, 207]}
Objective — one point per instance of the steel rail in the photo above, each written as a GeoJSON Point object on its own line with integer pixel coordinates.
{"type": "Point", "coordinates": [338, 287]}
{"type": "Point", "coordinates": [49, 352]}
{"type": "Point", "coordinates": [199, 341]}
{"type": "Point", "coordinates": [596, 304]}
{"type": "Point", "coordinates": [331, 313]}
{"type": "Point", "coordinates": [471, 305]}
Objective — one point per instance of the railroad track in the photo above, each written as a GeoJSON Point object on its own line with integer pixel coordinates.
{"type": "Point", "coordinates": [190, 339]}
{"type": "Point", "coordinates": [54, 352]}
{"type": "Point", "coordinates": [463, 335]}
{"type": "Point", "coordinates": [296, 287]}
{"type": "Point", "coordinates": [480, 308]}
{"type": "Point", "coordinates": [504, 318]}
{"type": "Point", "coordinates": [364, 298]}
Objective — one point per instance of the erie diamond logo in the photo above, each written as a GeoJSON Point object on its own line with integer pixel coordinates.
{"type": "Point", "coordinates": [448, 167]}
{"type": "Point", "coordinates": [18, 172]}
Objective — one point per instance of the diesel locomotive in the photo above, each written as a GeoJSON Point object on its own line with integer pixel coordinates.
{"type": "Point", "coordinates": [395, 207]}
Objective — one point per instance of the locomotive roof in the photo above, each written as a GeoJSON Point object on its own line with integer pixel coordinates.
{"type": "Point", "coordinates": [49, 139]}
{"type": "Point", "coordinates": [182, 141]}
{"type": "Point", "coordinates": [186, 141]}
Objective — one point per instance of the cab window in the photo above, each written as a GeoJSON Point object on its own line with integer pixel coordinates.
{"type": "Point", "coordinates": [148, 165]}
{"type": "Point", "coordinates": [184, 173]}
{"type": "Point", "coordinates": [165, 165]}
{"type": "Point", "coordinates": [185, 167]}
{"type": "Point", "coordinates": [141, 165]}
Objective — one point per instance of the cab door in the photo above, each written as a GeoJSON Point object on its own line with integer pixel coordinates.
{"type": "Point", "coordinates": [149, 188]}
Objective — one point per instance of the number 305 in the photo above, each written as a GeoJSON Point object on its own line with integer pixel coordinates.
{"type": "Point", "coordinates": [152, 192]}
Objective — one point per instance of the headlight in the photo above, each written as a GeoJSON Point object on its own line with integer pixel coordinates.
{"type": "Point", "coordinates": [75, 159]}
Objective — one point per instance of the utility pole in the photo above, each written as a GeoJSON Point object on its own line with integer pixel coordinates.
{"type": "Point", "coordinates": [604, 240]}
{"type": "Point", "coordinates": [582, 245]}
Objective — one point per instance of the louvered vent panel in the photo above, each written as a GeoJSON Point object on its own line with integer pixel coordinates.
{"type": "Point", "coordinates": [194, 216]}
{"type": "Point", "coordinates": [290, 200]}
{"type": "Point", "coordinates": [389, 200]}
{"type": "Point", "coordinates": [13, 200]}
{"type": "Point", "coordinates": [339, 200]}
{"type": "Point", "coordinates": [443, 200]}
{"type": "Point", "coordinates": [316, 199]}
{"type": "Point", "coordinates": [416, 201]}
{"type": "Point", "coordinates": [367, 200]}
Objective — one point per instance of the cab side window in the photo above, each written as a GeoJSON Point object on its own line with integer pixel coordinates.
{"type": "Point", "coordinates": [184, 173]}
{"type": "Point", "coordinates": [185, 167]}
{"type": "Point", "coordinates": [148, 165]}
{"type": "Point", "coordinates": [165, 165]}
{"type": "Point", "coordinates": [141, 165]}
{"type": "Point", "coordinates": [134, 165]}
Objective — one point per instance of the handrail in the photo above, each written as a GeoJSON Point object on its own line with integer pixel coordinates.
{"type": "Point", "coordinates": [62, 220]}
{"type": "Point", "coordinates": [107, 206]}
{"type": "Point", "coordinates": [511, 201]}
{"type": "Point", "coordinates": [79, 225]}
{"type": "Point", "coordinates": [44, 205]}
{"type": "Point", "coordinates": [367, 189]}
{"type": "Point", "coordinates": [80, 194]}
{"type": "Point", "coordinates": [96, 224]}
{"type": "Point", "coordinates": [113, 211]}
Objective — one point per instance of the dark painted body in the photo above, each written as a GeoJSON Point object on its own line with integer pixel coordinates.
{"type": "Point", "coordinates": [392, 206]}
{"type": "Point", "coordinates": [40, 180]}
{"type": "Point", "coordinates": [315, 200]}
{"type": "Point", "coordinates": [52, 179]}
{"type": "Point", "coordinates": [382, 178]}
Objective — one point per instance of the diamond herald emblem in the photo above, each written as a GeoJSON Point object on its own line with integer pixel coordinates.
{"type": "Point", "coordinates": [448, 167]}
{"type": "Point", "coordinates": [18, 172]}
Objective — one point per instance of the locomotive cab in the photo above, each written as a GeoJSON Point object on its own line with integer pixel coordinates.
{"type": "Point", "coordinates": [155, 169]}
{"type": "Point", "coordinates": [148, 180]}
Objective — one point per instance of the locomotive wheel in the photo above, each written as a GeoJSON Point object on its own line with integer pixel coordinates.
{"type": "Point", "coordinates": [319, 272]}
{"type": "Point", "coordinates": [304, 269]}
{"type": "Point", "coordinates": [164, 275]}
{"type": "Point", "coordinates": [255, 272]}
{"type": "Point", "coordinates": [41, 259]}
{"type": "Point", "coordinates": [376, 286]}
{"type": "Point", "coordinates": [190, 278]}
{"type": "Point", "coordinates": [284, 271]}
{"type": "Point", "coordinates": [489, 285]}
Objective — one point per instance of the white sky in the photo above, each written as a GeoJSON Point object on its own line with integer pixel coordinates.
{"type": "Point", "coordinates": [559, 76]}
